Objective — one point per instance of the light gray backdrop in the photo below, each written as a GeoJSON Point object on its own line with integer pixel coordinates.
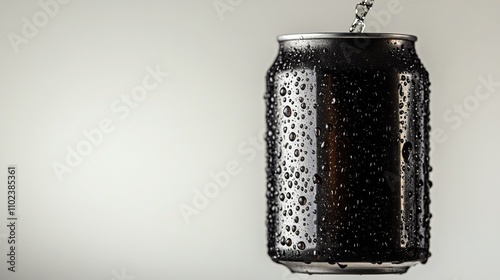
{"type": "Point", "coordinates": [111, 150]}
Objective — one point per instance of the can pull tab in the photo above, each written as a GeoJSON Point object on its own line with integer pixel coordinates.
{"type": "Point", "coordinates": [361, 11]}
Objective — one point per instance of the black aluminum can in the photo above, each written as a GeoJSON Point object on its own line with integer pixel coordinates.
{"type": "Point", "coordinates": [348, 154]}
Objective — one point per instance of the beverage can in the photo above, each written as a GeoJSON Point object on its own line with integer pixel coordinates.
{"type": "Point", "coordinates": [348, 154]}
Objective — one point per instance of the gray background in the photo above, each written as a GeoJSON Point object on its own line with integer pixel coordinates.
{"type": "Point", "coordinates": [116, 215]}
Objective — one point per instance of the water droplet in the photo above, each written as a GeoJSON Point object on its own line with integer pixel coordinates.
{"type": "Point", "coordinates": [407, 150]}
{"type": "Point", "coordinates": [287, 111]}
{"type": "Point", "coordinates": [283, 91]}
{"type": "Point", "coordinates": [329, 127]}
{"type": "Point", "coordinates": [316, 179]}
{"type": "Point", "coordinates": [420, 184]}
{"type": "Point", "coordinates": [400, 89]}
{"type": "Point", "coordinates": [296, 152]}
{"type": "Point", "coordinates": [302, 200]}
{"type": "Point", "coordinates": [292, 136]}
{"type": "Point", "coordinates": [301, 245]}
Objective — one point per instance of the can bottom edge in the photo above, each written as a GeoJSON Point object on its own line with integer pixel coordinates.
{"type": "Point", "coordinates": [348, 267]}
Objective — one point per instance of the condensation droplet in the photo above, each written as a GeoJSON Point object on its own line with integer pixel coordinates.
{"type": "Point", "coordinates": [316, 179]}
{"type": "Point", "coordinates": [302, 200]}
{"type": "Point", "coordinates": [287, 111]}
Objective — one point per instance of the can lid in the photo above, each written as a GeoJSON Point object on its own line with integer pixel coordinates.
{"type": "Point", "coordinates": [345, 35]}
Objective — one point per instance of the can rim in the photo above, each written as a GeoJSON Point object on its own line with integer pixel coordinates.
{"type": "Point", "coordinates": [345, 35]}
